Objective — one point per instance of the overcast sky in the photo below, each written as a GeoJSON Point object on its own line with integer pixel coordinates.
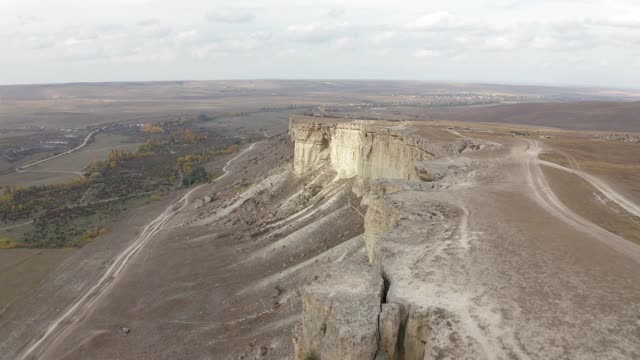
{"type": "Point", "coordinates": [573, 42]}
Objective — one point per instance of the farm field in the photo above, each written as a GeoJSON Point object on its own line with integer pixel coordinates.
{"type": "Point", "coordinates": [66, 168]}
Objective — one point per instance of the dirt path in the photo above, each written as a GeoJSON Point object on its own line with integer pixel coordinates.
{"type": "Point", "coordinates": [84, 304]}
{"type": "Point", "coordinates": [16, 225]}
{"type": "Point", "coordinates": [544, 195]}
{"type": "Point", "coordinates": [84, 143]}
{"type": "Point", "coordinates": [604, 188]}
{"type": "Point", "coordinates": [225, 169]}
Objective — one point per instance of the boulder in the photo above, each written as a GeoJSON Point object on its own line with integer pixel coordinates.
{"type": "Point", "coordinates": [198, 204]}
{"type": "Point", "coordinates": [340, 314]}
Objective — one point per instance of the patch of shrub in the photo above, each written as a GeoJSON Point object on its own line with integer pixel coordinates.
{"type": "Point", "coordinates": [88, 237]}
{"type": "Point", "coordinates": [8, 243]}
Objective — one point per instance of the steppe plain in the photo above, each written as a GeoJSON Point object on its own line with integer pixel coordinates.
{"type": "Point", "coordinates": [535, 253]}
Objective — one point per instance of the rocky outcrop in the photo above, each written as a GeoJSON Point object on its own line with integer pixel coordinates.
{"type": "Point", "coordinates": [340, 315]}
{"type": "Point", "coordinates": [391, 325]}
{"type": "Point", "coordinates": [366, 149]}
{"type": "Point", "coordinates": [409, 231]}
{"type": "Point", "coordinates": [311, 147]}
{"type": "Point", "coordinates": [352, 314]}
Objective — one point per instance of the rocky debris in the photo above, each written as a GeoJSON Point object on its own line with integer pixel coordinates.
{"type": "Point", "coordinates": [262, 351]}
{"type": "Point", "coordinates": [446, 338]}
{"type": "Point", "coordinates": [207, 199]}
{"type": "Point", "coordinates": [340, 314]}
{"type": "Point", "coordinates": [438, 169]}
{"type": "Point", "coordinates": [386, 211]}
{"type": "Point", "coordinates": [626, 138]}
{"type": "Point", "coordinates": [198, 204]}
{"type": "Point", "coordinates": [464, 144]}
{"type": "Point", "coordinates": [124, 331]}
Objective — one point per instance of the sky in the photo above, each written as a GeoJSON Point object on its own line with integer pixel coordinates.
{"type": "Point", "coordinates": [553, 42]}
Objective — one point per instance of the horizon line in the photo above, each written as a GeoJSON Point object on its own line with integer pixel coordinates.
{"type": "Point", "coordinates": [470, 82]}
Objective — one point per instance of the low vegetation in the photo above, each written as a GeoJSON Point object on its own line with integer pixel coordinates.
{"type": "Point", "coordinates": [74, 213]}
{"type": "Point", "coordinates": [87, 237]}
{"type": "Point", "coordinates": [311, 355]}
{"type": "Point", "coordinates": [8, 243]}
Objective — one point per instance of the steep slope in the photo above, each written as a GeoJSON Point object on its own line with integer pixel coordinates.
{"type": "Point", "coordinates": [476, 262]}
{"type": "Point", "coordinates": [370, 240]}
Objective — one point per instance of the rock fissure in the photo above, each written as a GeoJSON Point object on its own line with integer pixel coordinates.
{"type": "Point", "coordinates": [374, 312]}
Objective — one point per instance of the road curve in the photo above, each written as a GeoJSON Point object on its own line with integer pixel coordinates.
{"type": "Point", "coordinates": [98, 289]}
{"type": "Point", "coordinates": [84, 143]}
{"type": "Point", "coordinates": [225, 169]}
{"type": "Point", "coordinates": [544, 195]}
{"type": "Point", "coordinates": [604, 188]}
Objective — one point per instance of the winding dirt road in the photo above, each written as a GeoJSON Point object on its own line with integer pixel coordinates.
{"type": "Point", "coordinates": [58, 327]}
{"type": "Point", "coordinates": [84, 143]}
{"type": "Point", "coordinates": [603, 187]}
{"type": "Point", "coordinates": [544, 195]}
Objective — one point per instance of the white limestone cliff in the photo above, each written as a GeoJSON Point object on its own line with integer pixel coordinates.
{"type": "Point", "coordinates": [348, 316]}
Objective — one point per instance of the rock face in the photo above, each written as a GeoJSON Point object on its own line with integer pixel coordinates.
{"type": "Point", "coordinates": [349, 313]}
{"type": "Point", "coordinates": [391, 320]}
{"type": "Point", "coordinates": [467, 273]}
{"type": "Point", "coordinates": [198, 203]}
{"type": "Point", "coordinates": [366, 149]}
{"type": "Point", "coordinates": [340, 315]}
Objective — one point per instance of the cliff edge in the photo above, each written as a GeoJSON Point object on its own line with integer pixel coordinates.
{"type": "Point", "coordinates": [453, 232]}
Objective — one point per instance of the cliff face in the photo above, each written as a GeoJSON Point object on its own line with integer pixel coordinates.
{"type": "Point", "coordinates": [348, 315]}
{"type": "Point", "coordinates": [364, 149]}
{"type": "Point", "coordinates": [340, 314]}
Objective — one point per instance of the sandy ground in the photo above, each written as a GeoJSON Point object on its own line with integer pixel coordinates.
{"type": "Point", "coordinates": [67, 280]}
{"type": "Point", "coordinates": [22, 270]}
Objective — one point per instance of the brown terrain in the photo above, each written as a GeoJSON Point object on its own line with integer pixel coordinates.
{"type": "Point", "coordinates": [498, 236]}
{"type": "Point", "coordinates": [594, 115]}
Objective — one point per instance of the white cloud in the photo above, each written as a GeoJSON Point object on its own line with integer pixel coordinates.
{"type": "Point", "coordinates": [318, 33]}
{"type": "Point", "coordinates": [336, 12]}
{"type": "Point", "coordinates": [477, 34]}
{"type": "Point", "coordinates": [383, 37]}
{"type": "Point", "coordinates": [231, 16]}
{"type": "Point", "coordinates": [440, 20]}
{"type": "Point", "coordinates": [343, 43]}
{"type": "Point", "coordinates": [427, 53]}
{"type": "Point", "coordinates": [187, 36]}
{"type": "Point", "coordinates": [632, 22]}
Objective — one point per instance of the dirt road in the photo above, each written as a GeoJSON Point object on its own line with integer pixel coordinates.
{"type": "Point", "coordinates": [603, 187]}
{"type": "Point", "coordinates": [64, 323]}
{"type": "Point", "coordinates": [84, 143]}
{"type": "Point", "coordinates": [549, 201]}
